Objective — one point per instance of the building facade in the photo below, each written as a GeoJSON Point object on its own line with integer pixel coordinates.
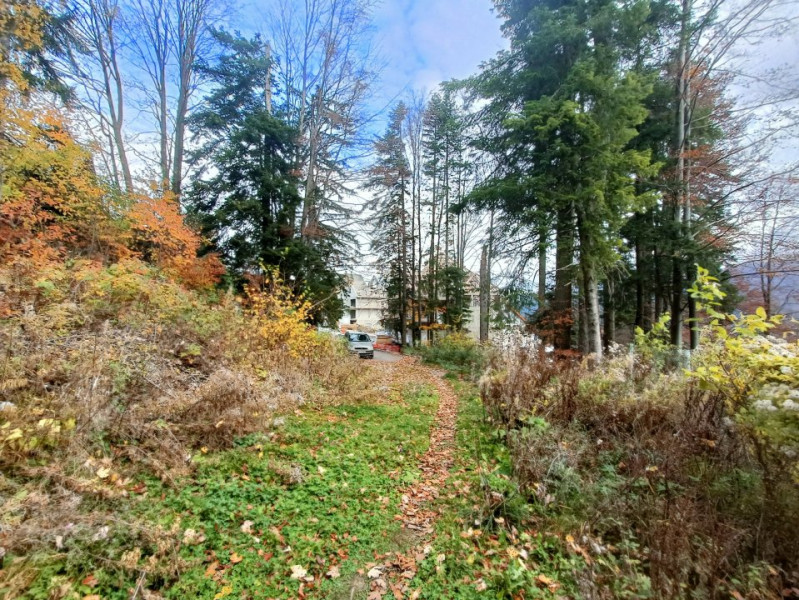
{"type": "Point", "coordinates": [364, 303]}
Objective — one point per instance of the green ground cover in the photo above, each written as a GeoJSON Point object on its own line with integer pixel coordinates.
{"type": "Point", "coordinates": [297, 513]}
{"type": "Point", "coordinates": [487, 544]}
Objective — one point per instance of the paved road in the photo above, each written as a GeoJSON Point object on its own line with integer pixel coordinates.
{"type": "Point", "coordinates": [387, 356]}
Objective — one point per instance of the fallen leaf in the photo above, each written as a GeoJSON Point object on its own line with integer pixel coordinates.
{"type": "Point", "coordinates": [90, 580]}
{"type": "Point", "coordinates": [298, 572]}
{"type": "Point", "coordinates": [333, 573]}
{"type": "Point", "coordinates": [225, 591]}
{"type": "Point", "coordinates": [211, 570]}
{"type": "Point", "coordinates": [246, 527]}
{"type": "Point", "coordinates": [374, 573]}
{"type": "Point", "coordinates": [236, 558]}
{"type": "Point", "coordinates": [545, 580]}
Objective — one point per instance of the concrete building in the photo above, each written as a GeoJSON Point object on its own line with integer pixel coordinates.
{"type": "Point", "coordinates": [364, 303]}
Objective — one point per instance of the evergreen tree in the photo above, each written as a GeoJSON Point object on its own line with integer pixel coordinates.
{"type": "Point", "coordinates": [389, 179]}
{"type": "Point", "coordinates": [456, 308]}
{"type": "Point", "coordinates": [566, 159]}
{"type": "Point", "coordinates": [245, 191]}
{"type": "Point", "coordinates": [447, 170]}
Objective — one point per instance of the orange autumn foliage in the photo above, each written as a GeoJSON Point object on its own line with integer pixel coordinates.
{"type": "Point", "coordinates": [54, 207]}
{"type": "Point", "coordinates": [52, 204]}
{"type": "Point", "coordinates": [162, 237]}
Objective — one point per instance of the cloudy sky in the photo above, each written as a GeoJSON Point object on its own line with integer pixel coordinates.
{"type": "Point", "coordinates": [425, 42]}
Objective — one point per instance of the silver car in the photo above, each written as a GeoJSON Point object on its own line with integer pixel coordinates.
{"type": "Point", "coordinates": [360, 343]}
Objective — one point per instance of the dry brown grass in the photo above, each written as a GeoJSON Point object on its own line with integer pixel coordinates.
{"type": "Point", "coordinates": [650, 467]}
{"type": "Point", "coordinates": [97, 388]}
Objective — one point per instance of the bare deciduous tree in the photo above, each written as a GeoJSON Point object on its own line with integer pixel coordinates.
{"type": "Point", "coordinates": [169, 37]}
{"type": "Point", "coordinates": [99, 24]}
{"type": "Point", "coordinates": [325, 71]}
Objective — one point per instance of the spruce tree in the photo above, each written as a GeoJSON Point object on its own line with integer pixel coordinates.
{"type": "Point", "coordinates": [565, 152]}
{"type": "Point", "coordinates": [244, 191]}
{"type": "Point", "coordinates": [389, 180]}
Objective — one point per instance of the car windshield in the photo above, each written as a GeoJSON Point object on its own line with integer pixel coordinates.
{"type": "Point", "coordinates": [359, 337]}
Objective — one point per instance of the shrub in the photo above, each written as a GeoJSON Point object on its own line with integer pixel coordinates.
{"type": "Point", "coordinates": [457, 352]}
{"type": "Point", "coordinates": [678, 483]}
{"type": "Point", "coordinates": [112, 372]}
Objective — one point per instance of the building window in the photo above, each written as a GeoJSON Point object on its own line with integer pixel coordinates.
{"type": "Point", "coordinates": [352, 303]}
{"type": "Point", "coordinates": [352, 316]}
{"type": "Point", "coordinates": [353, 321]}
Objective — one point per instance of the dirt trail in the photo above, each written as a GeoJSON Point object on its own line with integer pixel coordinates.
{"type": "Point", "coordinates": [391, 573]}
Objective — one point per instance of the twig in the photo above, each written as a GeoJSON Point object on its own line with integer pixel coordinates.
{"type": "Point", "coordinates": [139, 583]}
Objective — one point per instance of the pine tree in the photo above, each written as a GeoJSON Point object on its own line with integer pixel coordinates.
{"type": "Point", "coordinates": [390, 180]}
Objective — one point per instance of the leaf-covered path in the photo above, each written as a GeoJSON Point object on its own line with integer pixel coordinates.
{"type": "Point", "coordinates": [336, 501]}
{"type": "Point", "coordinates": [392, 572]}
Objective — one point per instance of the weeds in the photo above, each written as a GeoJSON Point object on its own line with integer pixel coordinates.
{"type": "Point", "coordinates": [112, 375]}
{"type": "Point", "coordinates": [318, 491]}
{"type": "Point", "coordinates": [457, 353]}
{"type": "Point", "coordinates": [648, 473]}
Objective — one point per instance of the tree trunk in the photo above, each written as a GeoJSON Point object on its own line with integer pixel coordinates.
{"type": "Point", "coordinates": [420, 250]}
{"type": "Point", "coordinates": [694, 326]}
{"type": "Point", "coordinates": [582, 323]}
{"type": "Point", "coordinates": [103, 18]}
{"type": "Point", "coordinates": [562, 318]}
{"type": "Point", "coordinates": [307, 224]}
{"type": "Point", "coordinates": [680, 196]}
{"type": "Point", "coordinates": [542, 268]}
{"type": "Point", "coordinates": [190, 19]}
{"type": "Point", "coordinates": [403, 268]}
{"type": "Point", "coordinates": [591, 304]}
{"type": "Point", "coordinates": [609, 314]}
{"type": "Point", "coordinates": [639, 286]}
{"type": "Point", "coordinates": [485, 290]}
{"type": "Point", "coordinates": [432, 291]}
{"type": "Point", "coordinates": [676, 302]}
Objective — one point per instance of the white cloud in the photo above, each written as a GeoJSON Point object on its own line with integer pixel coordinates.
{"type": "Point", "coordinates": [425, 42]}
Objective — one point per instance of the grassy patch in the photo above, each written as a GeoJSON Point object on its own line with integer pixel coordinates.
{"type": "Point", "coordinates": [317, 494]}
{"type": "Point", "coordinates": [487, 542]}
{"type": "Point", "coordinates": [456, 352]}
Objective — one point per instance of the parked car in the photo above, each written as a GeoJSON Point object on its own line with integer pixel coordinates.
{"type": "Point", "coordinates": [360, 343]}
